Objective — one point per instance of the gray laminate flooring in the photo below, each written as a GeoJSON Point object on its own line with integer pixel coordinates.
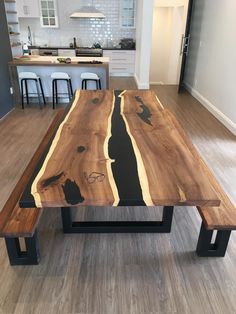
{"type": "Point", "coordinates": [120, 273]}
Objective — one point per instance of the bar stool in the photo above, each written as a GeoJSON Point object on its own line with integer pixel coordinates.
{"type": "Point", "coordinates": [60, 76]}
{"type": "Point", "coordinates": [30, 76]}
{"type": "Point", "coordinates": [87, 76]}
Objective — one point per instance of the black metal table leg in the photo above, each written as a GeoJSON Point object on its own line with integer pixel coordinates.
{"type": "Point", "coordinates": [163, 226]}
{"type": "Point", "coordinates": [18, 257]}
{"type": "Point", "coordinates": [217, 249]}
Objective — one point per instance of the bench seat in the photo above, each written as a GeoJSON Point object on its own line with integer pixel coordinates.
{"type": "Point", "coordinates": [21, 223]}
{"type": "Point", "coordinates": [16, 222]}
{"type": "Point", "coordinates": [222, 218]}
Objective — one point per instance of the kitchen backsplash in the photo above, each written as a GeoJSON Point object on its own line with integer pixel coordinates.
{"type": "Point", "coordinates": [86, 31]}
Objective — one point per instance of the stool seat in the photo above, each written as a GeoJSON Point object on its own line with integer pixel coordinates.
{"type": "Point", "coordinates": [28, 75]}
{"type": "Point", "coordinates": [89, 76]}
{"type": "Point", "coordinates": [60, 76]}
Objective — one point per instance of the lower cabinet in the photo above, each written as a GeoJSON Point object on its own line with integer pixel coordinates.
{"type": "Point", "coordinates": [122, 62]}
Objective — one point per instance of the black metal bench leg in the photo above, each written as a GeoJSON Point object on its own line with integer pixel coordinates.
{"type": "Point", "coordinates": [205, 248]}
{"type": "Point", "coordinates": [163, 226]}
{"type": "Point", "coordinates": [18, 257]}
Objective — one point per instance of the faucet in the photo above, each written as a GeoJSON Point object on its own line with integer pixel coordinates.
{"type": "Point", "coordinates": [29, 36]}
{"type": "Point", "coordinates": [75, 45]}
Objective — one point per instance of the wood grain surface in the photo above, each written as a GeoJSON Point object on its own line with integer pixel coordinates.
{"type": "Point", "coordinates": [77, 168]}
{"type": "Point", "coordinates": [17, 221]}
{"type": "Point", "coordinates": [222, 217]}
{"type": "Point", "coordinates": [171, 171]}
{"type": "Point", "coordinates": [120, 149]}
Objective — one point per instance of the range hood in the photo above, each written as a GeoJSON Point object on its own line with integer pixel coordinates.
{"type": "Point", "coordinates": [87, 12]}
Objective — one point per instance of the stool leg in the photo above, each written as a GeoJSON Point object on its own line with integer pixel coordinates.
{"type": "Point", "coordinates": [26, 91]}
{"type": "Point", "coordinates": [68, 88]}
{"type": "Point", "coordinates": [56, 91]}
{"type": "Point", "coordinates": [38, 92]}
{"type": "Point", "coordinates": [22, 94]}
{"type": "Point", "coordinates": [85, 84]}
{"type": "Point", "coordinates": [53, 94]}
{"type": "Point", "coordinates": [82, 84]}
{"type": "Point", "coordinates": [71, 89]}
{"type": "Point", "coordinates": [41, 87]}
{"type": "Point", "coordinates": [99, 82]}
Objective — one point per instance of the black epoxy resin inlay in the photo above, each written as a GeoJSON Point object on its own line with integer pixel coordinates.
{"type": "Point", "coordinates": [51, 180]}
{"type": "Point", "coordinates": [72, 192]}
{"type": "Point", "coordinates": [145, 115]}
{"type": "Point", "coordinates": [95, 101]}
{"type": "Point", "coordinates": [81, 149]}
{"type": "Point", "coordinates": [124, 168]}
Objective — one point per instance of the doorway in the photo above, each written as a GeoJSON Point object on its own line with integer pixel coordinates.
{"type": "Point", "coordinates": [168, 44]}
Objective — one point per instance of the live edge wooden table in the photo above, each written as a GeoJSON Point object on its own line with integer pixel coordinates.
{"type": "Point", "coordinates": [118, 148]}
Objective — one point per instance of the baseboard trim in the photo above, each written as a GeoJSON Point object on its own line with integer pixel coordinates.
{"type": "Point", "coordinates": [4, 117]}
{"type": "Point", "coordinates": [157, 83]}
{"type": "Point", "coordinates": [112, 74]}
{"type": "Point", "coordinates": [139, 84]}
{"type": "Point", "coordinates": [229, 124]}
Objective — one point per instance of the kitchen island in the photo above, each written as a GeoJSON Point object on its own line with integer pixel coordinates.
{"type": "Point", "coordinates": [44, 66]}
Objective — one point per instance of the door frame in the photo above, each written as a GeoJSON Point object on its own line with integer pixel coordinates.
{"type": "Point", "coordinates": [185, 45]}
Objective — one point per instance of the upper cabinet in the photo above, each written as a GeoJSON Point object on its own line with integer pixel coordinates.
{"type": "Point", "coordinates": [28, 8]}
{"type": "Point", "coordinates": [127, 13]}
{"type": "Point", "coordinates": [48, 13]}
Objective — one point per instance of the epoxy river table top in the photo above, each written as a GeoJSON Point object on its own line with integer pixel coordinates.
{"type": "Point", "coordinates": [119, 148]}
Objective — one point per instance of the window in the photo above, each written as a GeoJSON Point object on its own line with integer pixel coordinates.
{"type": "Point", "coordinates": [127, 13]}
{"type": "Point", "coordinates": [49, 17]}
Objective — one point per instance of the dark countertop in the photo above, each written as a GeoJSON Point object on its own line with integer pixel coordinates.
{"type": "Point", "coordinates": [114, 48]}
{"type": "Point", "coordinates": [57, 47]}
{"type": "Point", "coordinates": [42, 47]}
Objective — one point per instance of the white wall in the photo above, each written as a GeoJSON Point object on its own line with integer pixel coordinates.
{"type": "Point", "coordinates": [85, 30]}
{"type": "Point", "coordinates": [169, 23]}
{"type": "Point", "coordinates": [211, 66]}
{"type": "Point", "coordinates": [143, 42]}
{"type": "Point", "coordinates": [166, 44]}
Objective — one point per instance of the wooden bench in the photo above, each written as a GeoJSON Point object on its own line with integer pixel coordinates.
{"type": "Point", "coordinates": [221, 219]}
{"type": "Point", "coordinates": [16, 222]}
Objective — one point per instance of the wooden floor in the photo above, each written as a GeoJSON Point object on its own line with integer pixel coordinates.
{"type": "Point", "coordinates": [139, 273]}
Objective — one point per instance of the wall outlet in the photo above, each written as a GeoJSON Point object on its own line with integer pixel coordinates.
{"type": "Point", "coordinates": [11, 90]}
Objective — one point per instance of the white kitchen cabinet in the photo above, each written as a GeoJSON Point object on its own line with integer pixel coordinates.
{"type": "Point", "coordinates": [28, 8]}
{"type": "Point", "coordinates": [127, 13]}
{"type": "Point", "coordinates": [122, 62]}
{"type": "Point", "coordinates": [48, 13]}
